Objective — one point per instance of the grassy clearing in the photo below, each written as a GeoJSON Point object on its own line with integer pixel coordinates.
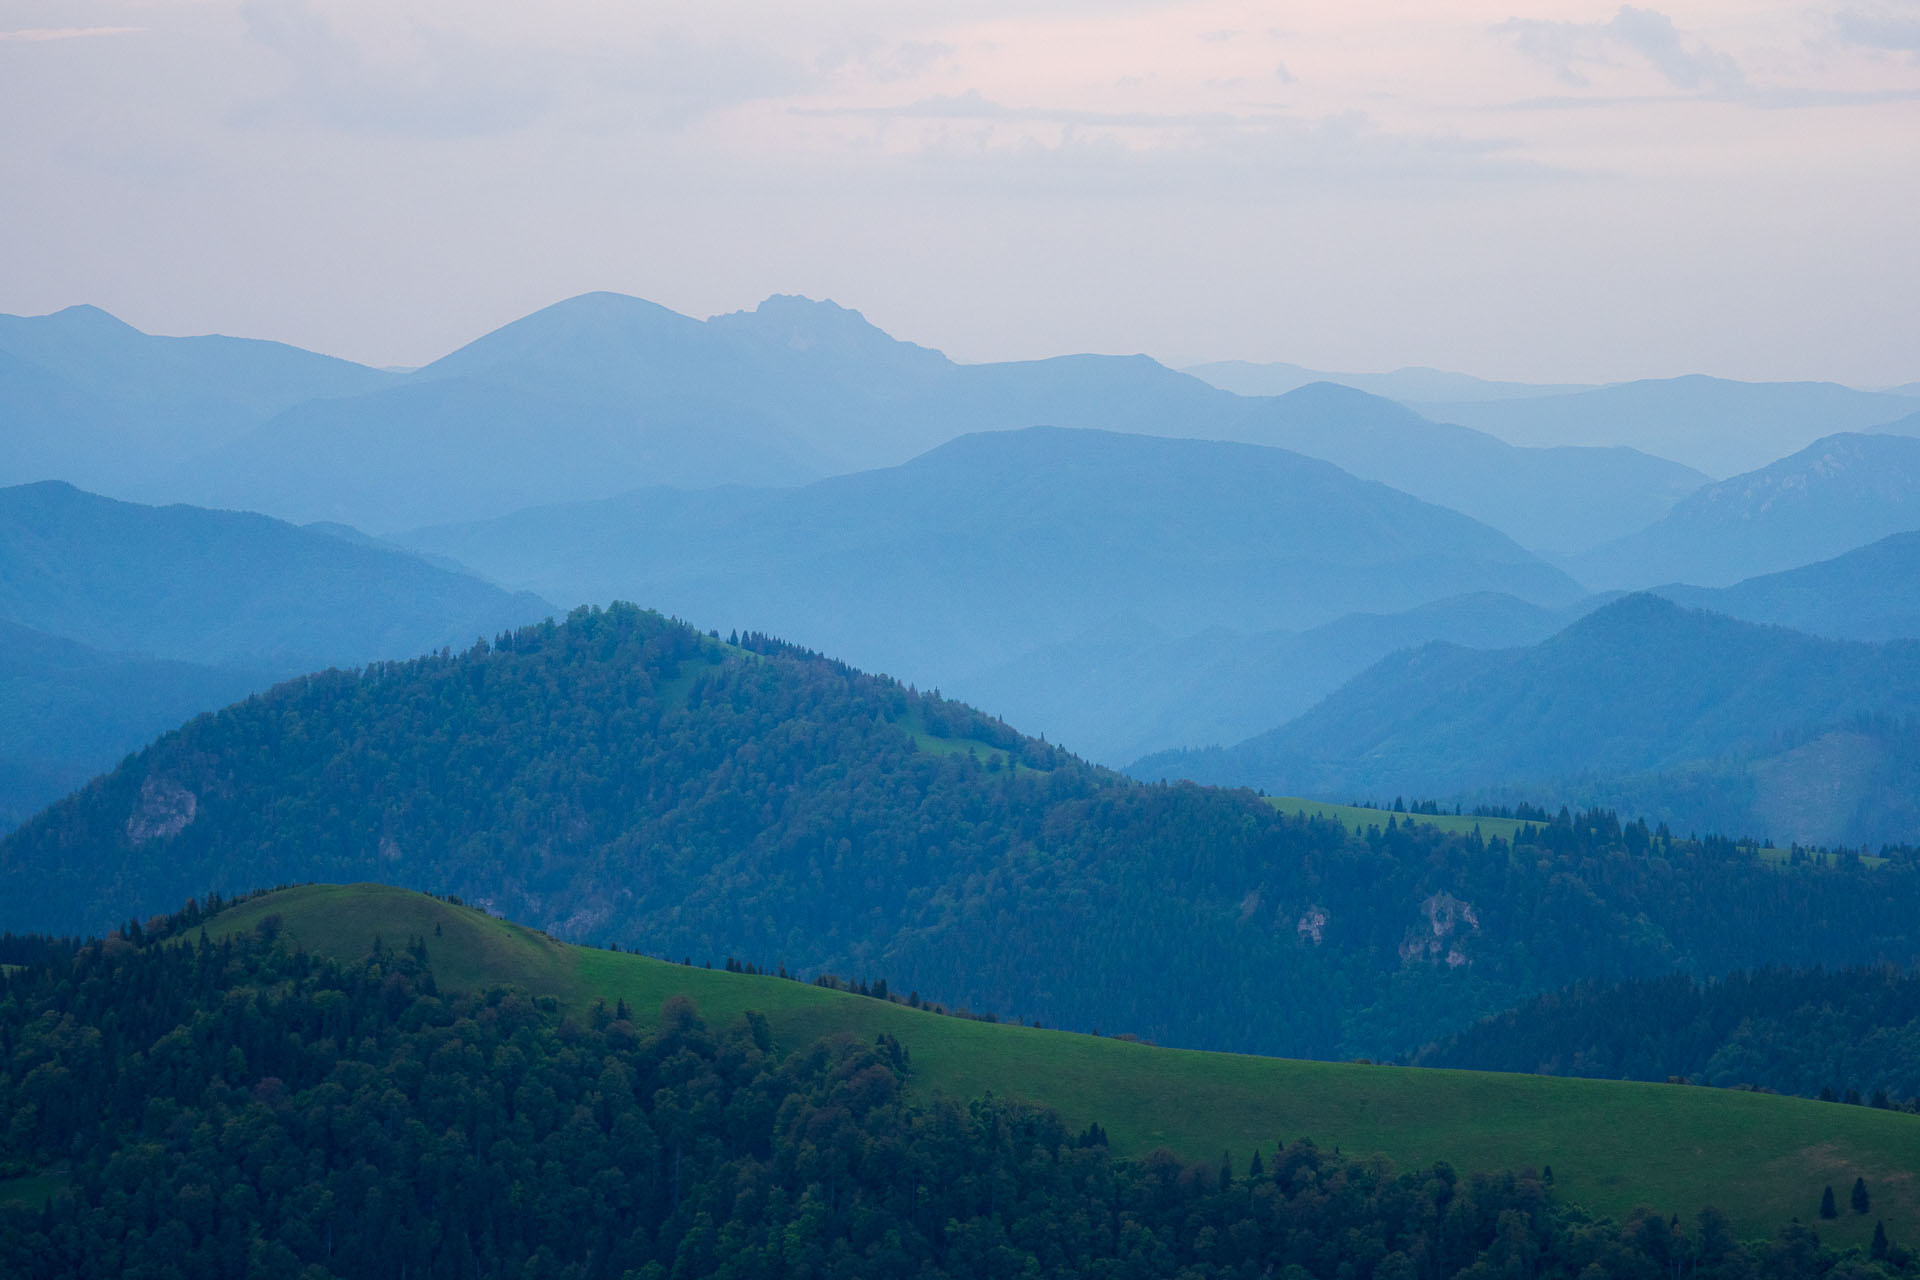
{"type": "Point", "coordinates": [33, 1190]}
{"type": "Point", "coordinates": [1613, 1145]}
{"type": "Point", "coordinates": [1357, 818]}
{"type": "Point", "coordinates": [916, 727]}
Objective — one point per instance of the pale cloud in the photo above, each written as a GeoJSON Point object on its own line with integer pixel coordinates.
{"type": "Point", "coordinates": [1575, 49]}
{"type": "Point", "coordinates": [436, 80]}
{"type": "Point", "coordinates": [39, 35]}
{"type": "Point", "coordinates": [432, 82]}
{"type": "Point", "coordinates": [1894, 30]}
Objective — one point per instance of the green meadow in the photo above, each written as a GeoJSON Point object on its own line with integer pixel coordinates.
{"type": "Point", "coordinates": [1358, 818]}
{"type": "Point", "coordinates": [1612, 1145]}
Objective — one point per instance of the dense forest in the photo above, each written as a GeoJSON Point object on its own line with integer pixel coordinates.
{"type": "Point", "coordinates": [1847, 1034]}
{"type": "Point", "coordinates": [239, 1109]}
{"type": "Point", "coordinates": [624, 779]}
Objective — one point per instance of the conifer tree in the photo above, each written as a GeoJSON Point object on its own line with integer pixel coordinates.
{"type": "Point", "coordinates": [1879, 1246]}
{"type": "Point", "coordinates": [1861, 1200]}
{"type": "Point", "coordinates": [1827, 1209]}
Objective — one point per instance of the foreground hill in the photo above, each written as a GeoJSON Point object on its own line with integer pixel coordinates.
{"type": "Point", "coordinates": [1725, 1148]}
{"type": "Point", "coordinates": [1872, 593]}
{"type": "Point", "coordinates": [227, 587]}
{"type": "Point", "coordinates": [999, 543]}
{"type": "Point", "coordinates": [1637, 688]}
{"type": "Point", "coordinates": [621, 778]}
{"type": "Point", "coordinates": [1721, 427]}
{"type": "Point", "coordinates": [1842, 492]}
{"type": "Point", "coordinates": [378, 1114]}
{"type": "Point", "coordinates": [1841, 1033]}
{"type": "Point", "coordinates": [91, 400]}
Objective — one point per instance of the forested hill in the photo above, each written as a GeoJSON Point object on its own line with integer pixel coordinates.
{"type": "Point", "coordinates": [1851, 1034]}
{"type": "Point", "coordinates": [196, 1108]}
{"type": "Point", "coordinates": [623, 778]}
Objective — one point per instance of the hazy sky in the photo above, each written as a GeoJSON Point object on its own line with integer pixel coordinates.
{"type": "Point", "coordinates": [1566, 191]}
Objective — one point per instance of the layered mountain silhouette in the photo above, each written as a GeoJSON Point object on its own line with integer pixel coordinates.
{"type": "Point", "coordinates": [1871, 593]}
{"type": "Point", "coordinates": [1411, 385]}
{"type": "Point", "coordinates": [1718, 426]}
{"type": "Point", "coordinates": [1642, 700]}
{"type": "Point", "coordinates": [1841, 492]}
{"type": "Point", "coordinates": [91, 400]}
{"type": "Point", "coordinates": [1222, 685]}
{"type": "Point", "coordinates": [604, 394]}
{"type": "Point", "coordinates": [998, 543]}
{"type": "Point", "coordinates": [228, 587]}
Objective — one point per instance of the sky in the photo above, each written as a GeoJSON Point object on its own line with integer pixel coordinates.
{"type": "Point", "coordinates": [1548, 192]}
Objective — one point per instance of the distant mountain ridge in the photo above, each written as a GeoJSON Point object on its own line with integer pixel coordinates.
{"type": "Point", "coordinates": [998, 543]}
{"type": "Point", "coordinates": [1635, 692]}
{"type": "Point", "coordinates": [224, 587]}
{"type": "Point", "coordinates": [91, 400]}
{"type": "Point", "coordinates": [603, 394]}
{"type": "Point", "coordinates": [1223, 685]}
{"type": "Point", "coordinates": [1715, 425]}
{"type": "Point", "coordinates": [1870, 593]}
{"type": "Point", "coordinates": [1409, 385]}
{"type": "Point", "coordinates": [1842, 492]}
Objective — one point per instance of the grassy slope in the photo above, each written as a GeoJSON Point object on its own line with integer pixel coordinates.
{"type": "Point", "coordinates": [1612, 1145]}
{"type": "Point", "coordinates": [1357, 818]}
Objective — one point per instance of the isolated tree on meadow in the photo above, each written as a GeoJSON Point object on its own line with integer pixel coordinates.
{"type": "Point", "coordinates": [1827, 1209]}
{"type": "Point", "coordinates": [1861, 1201]}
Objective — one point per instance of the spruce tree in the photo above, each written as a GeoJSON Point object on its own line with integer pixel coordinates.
{"type": "Point", "coordinates": [1879, 1246]}
{"type": "Point", "coordinates": [1861, 1200]}
{"type": "Point", "coordinates": [1827, 1209]}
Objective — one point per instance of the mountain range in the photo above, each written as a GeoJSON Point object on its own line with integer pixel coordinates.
{"type": "Point", "coordinates": [603, 394]}
{"type": "Point", "coordinates": [91, 400]}
{"type": "Point", "coordinates": [1675, 713]}
{"type": "Point", "coordinates": [1223, 685]}
{"type": "Point", "coordinates": [1002, 542]}
{"type": "Point", "coordinates": [1838, 494]}
{"type": "Point", "coordinates": [228, 587]}
{"type": "Point", "coordinates": [1410, 385]}
{"type": "Point", "coordinates": [1870, 593]}
{"type": "Point", "coordinates": [1718, 426]}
